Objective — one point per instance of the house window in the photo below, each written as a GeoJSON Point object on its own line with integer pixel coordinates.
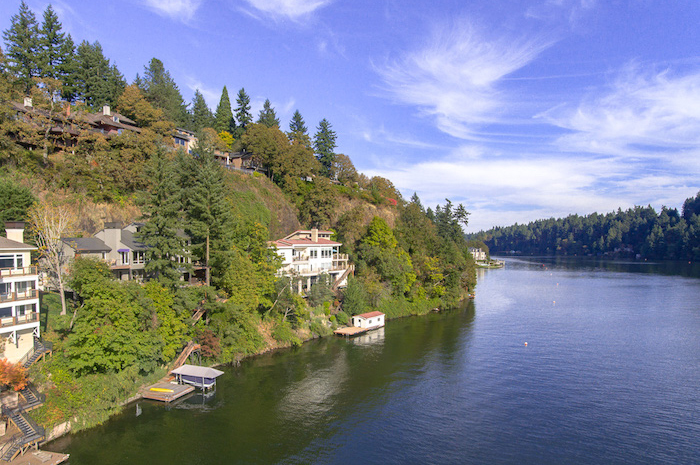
{"type": "Point", "coordinates": [313, 253]}
{"type": "Point", "coordinates": [124, 258]}
{"type": "Point", "coordinates": [138, 258]}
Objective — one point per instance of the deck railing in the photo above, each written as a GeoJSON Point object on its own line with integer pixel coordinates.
{"type": "Point", "coordinates": [18, 320]}
{"type": "Point", "coordinates": [23, 271]}
{"type": "Point", "coordinates": [15, 296]}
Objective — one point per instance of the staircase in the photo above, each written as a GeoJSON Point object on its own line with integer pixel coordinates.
{"type": "Point", "coordinates": [30, 435]}
{"type": "Point", "coordinates": [31, 398]}
{"type": "Point", "coordinates": [39, 350]}
{"type": "Point", "coordinates": [182, 358]}
{"type": "Point", "coordinates": [342, 277]}
{"type": "Point", "coordinates": [197, 315]}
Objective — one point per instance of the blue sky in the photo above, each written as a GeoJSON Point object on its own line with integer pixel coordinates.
{"type": "Point", "coordinates": [518, 109]}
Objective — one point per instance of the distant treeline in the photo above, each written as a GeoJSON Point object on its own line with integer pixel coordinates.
{"type": "Point", "coordinates": [637, 232]}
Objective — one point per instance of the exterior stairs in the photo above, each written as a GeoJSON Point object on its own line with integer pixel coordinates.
{"type": "Point", "coordinates": [182, 358]}
{"type": "Point", "coordinates": [336, 284]}
{"type": "Point", "coordinates": [41, 348]}
{"type": "Point", "coordinates": [31, 434]}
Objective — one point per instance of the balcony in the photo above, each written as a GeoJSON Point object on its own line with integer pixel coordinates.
{"type": "Point", "coordinates": [30, 317]}
{"type": "Point", "coordinates": [11, 272]}
{"type": "Point", "coordinates": [17, 296]}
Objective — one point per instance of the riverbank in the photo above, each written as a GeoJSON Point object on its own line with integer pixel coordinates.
{"type": "Point", "coordinates": [76, 404]}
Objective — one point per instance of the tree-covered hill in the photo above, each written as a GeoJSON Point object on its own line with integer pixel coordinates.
{"type": "Point", "coordinates": [637, 232]}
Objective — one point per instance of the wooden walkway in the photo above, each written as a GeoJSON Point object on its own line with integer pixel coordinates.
{"type": "Point", "coordinates": [166, 391]}
{"type": "Point", "coordinates": [40, 457]}
{"type": "Point", "coordinates": [350, 331]}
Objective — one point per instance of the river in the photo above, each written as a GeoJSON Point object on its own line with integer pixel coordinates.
{"type": "Point", "coordinates": [610, 374]}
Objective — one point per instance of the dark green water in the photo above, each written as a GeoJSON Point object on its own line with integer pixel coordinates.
{"type": "Point", "coordinates": [610, 374]}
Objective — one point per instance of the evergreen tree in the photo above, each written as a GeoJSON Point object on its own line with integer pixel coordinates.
{"type": "Point", "coordinates": [243, 116]}
{"type": "Point", "coordinates": [208, 212]}
{"type": "Point", "coordinates": [224, 115]}
{"type": "Point", "coordinates": [160, 89]}
{"type": "Point", "coordinates": [324, 145]}
{"type": "Point", "coordinates": [22, 47]}
{"type": "Point", "coordinates": [163, 215]}
{"type": "Point", "coordinates": [202, 116]}
{"type": "Point", "coordinates": [66, 69]}
{"type": "Point", "coordinates": [51, 47]}
{"type": "Point", "coordinates": [267, 116]}
{"type": "Point", "coordinates": [97, 82]}
{"type": "Point", "coordinates": [297, 130]}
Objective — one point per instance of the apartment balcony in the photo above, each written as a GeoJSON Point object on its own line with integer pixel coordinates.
{"type": "Point", "coordinates": [30, 317]}
{"type": "Point", "coordinates": [19, 296]}
{"type": "Point", "coordinates": [12, 272]}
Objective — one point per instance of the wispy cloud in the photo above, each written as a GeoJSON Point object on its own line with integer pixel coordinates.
{"type": "Point", "coordinates": [500, 189]}
{"type": "Point", "coordinates": [180, 10]}
{"type": "Point", "coordinates": [210, 94]}
{"type": "Point", "coordinates": [294, 10]}
{"type": "Point", "coordinates": [454, 77]}
{"type": "Point", "coordinates": [645, 115]}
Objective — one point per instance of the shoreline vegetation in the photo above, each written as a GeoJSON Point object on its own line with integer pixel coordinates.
{"type": "Point", "coordinates": [81, 147]}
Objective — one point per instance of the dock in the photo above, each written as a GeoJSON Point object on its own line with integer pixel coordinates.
{"type": "Point", "coordinates": [166, 391]}
{"type": "Point", "coordinates": [350, 331]}
{"type": "Point", "coordinates": [40, 457]}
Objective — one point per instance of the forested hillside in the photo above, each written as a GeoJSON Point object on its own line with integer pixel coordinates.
{"type": "Point", "coordinates": [637, 232]}
{"type": "Point", "coordinates": [55, 161]}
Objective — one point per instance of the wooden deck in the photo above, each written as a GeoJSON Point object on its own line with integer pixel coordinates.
{"type": "Point", "coordinates": [166, 391]}
{"type": "Point", "coordinates": [40, 457]}
{"type": "Point", "coordinates": [350, 331]}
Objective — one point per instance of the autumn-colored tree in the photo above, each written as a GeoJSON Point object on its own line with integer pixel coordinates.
{"type": "Point", "coordinates": [13, 375]}
{"type": "Point", "coordinates": [344, 170]}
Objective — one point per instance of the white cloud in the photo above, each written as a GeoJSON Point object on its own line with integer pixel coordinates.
{"type": "Point", "coordinates": [454, 77]}
{"type": "Point", "coordinates": [500, 190]}
{"type": "Point", "coordinates": [181, 10]}
{"type": "Point", "coordinates": [293, 10]}
{"type": "Point", "coordinates": [211, 95]}
{"type": "Point", "coordinates": [642, 115]}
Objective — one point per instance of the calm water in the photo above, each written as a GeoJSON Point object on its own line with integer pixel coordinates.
{"type": "Point", "coordinates": [610, 374]}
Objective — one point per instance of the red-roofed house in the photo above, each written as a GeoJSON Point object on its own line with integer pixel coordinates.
{"type": "Point", "coordinates": [309, 254]}
{"type": "Point", "coordinates": [369, 320]}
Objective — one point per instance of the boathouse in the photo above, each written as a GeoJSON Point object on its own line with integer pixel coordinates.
{"type": "Point", "coordinates": [201, 377]}
{"type": "Point", "coordinates": [369, 320]}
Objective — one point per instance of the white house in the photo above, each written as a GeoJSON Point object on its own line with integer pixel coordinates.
{"type": "Point", "coordinates": [308, 254]}
{"type": "Point", "coordinates": [19, 295]}
{"type": "Point", "coordinates": [478, 254]}
{"type": "Point", "coordinates": [369, 320]}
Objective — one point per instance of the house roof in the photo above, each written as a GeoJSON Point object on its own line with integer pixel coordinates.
{"type": "Point", "coordinates": [307, 242]}
{"type": "Point", "coordinates": [86, 244]}
{"type": "Point", "coordinates": [370, 314]}
{"type": "Point", "coordinates": [199, 372]}
{"type": "Point", "coordinates": [130, 241]}
{"type": "Point", "coordinates": [6, 243]}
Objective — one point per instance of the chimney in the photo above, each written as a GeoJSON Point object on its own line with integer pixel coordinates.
{"type": "Point", "coordinates": [105, 111]}
{"type": "Point", "coordinates": [15, 230]}
{"type": "Point", "coordinates": [314, 235]}
{"type": "Point", "coordinates": [28, 102]}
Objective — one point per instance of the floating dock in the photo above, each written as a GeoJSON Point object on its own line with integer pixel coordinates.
{"type": "Point", "coordinates": [350, 331]}
{"type": "Point", "coordinates": [40, 457]}
{"type": "Point", "coordinates": [166, 391]}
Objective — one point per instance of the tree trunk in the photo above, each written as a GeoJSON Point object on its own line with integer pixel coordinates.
{"type": "Point", "coordinates": [206, 267]}
{"type": "Point", "coordinates": [63, 295]}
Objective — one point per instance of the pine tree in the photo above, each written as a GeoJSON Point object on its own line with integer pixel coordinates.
{"type": "Point", "coordinates": [51, 46]}
{"type": "Point", "coordinates": [97, 82]}
{"type": "Point", "coordinates": [164, 219]}
{"type": "Point", "coordinates": [66, 69]}
{"type": "Point", "coordinates": [160, 89]}
{"type": "Point", "coordinates": [297, 130]}
{"type": "Point", "coordinates": [208, 213]}
{"type": "Point", "coordinates": [202, 116]}
{"type": "Point", "coordinates": [22, 46]}
{"type": "Point", "coordinates": [224, 115]}
{"type": "Point", "coordinates": [243, 116]}
{"type": "Point", "coordinates": [267, 116]}
{"type": "Point", "coordinates": [324, 145]}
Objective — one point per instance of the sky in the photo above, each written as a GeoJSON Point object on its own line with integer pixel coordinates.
{"type": "Point", "coordinates": [518, 109]}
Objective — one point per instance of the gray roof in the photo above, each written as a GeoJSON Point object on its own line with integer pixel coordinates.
{"type": "Point", "coordinates": [6, 243]}
{"type": "Point", "coordinates": [200, 372]}
{"type": "Point", "coordinates": [130, 241]}
{"type": "Point", "coordinates": [86, 244]}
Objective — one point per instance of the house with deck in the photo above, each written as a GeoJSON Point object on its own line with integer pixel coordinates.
{"type": "Point", "coordinates": [309, 254]}
{"type": "Point", "coordinates": [19, 295]}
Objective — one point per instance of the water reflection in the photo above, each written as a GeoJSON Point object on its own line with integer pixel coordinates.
{"type": "Point", "coordinates": [374, 337]}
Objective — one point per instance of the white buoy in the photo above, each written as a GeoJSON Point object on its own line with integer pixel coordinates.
{"type": "Point", "coordinates": [526, 343]}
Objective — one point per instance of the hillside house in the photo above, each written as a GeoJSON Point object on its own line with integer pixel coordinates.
{"type": "Point", "coordinates": [19, 295]}
{"type": "Point", "coordinates": [477, 254]}
{"type": "Point", "coordinates": [308, 254]}
{"type": "Point", "coordinates": [111, 123]}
